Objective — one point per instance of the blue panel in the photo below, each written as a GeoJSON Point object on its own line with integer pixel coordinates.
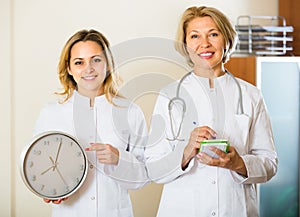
{"type": "Point", "coordinates": [280, 88]}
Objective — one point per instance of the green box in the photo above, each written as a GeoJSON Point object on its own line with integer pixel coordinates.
{"type": "Point", "coordinates": [221, 144]}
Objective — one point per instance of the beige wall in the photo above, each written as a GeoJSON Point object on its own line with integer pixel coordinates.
{"type": "Point", "coordinates": [32, 33]}
{"type": "Point", "coordinates": [6, 143]}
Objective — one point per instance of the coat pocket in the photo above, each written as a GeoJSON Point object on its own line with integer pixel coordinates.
{"type": "Point", "coordinates": [239, 132]}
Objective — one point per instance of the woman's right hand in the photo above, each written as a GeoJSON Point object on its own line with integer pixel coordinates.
{"type": "Point", "coordinates": [55, 201]}
{"type": "Point", "coordinates": [197, 135]}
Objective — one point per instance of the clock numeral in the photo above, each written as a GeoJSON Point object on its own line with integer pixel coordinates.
{"type": "Point", "coordinates": [30, 163]}
{"type": "Point", "coordinates": [37, 152]}
{"type": "Point", "coordinates": [33, 178]}
{"type": "Point", "coordinates": [81, 167]}
{"type": "Point", "coordinates": [42, 187]}
{"type": "Point", "coordinates": [54, 192]}
{"type": "Point", "coordinates": [71, 144]}
{"type": "Point", "coordinates": [79, 154]}
{"type": "Point", "coordinates": [67, 189]}
{"type": "Point", "coordinates": [77, 180]}
{"type": "Point", "coordinates": [58, 139]}
{"type": "Point", "coordinates": [47, 142]}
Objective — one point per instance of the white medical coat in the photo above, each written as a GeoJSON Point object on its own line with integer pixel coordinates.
{"type": "Point", "coordinates": [202, 190]}
{"type": "Point", "coordinates": [105, 190]}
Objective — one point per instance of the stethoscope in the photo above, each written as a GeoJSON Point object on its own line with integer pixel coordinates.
{"type": "Point", "coordinates": [180, 100]}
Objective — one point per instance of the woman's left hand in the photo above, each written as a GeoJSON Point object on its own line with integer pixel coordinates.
{"type": "Point", "coordinates": [106, 153]}
{"type": "Point", "coordinates": [231, 160]}
{"type": "Point", "coordinates": [55, 201]}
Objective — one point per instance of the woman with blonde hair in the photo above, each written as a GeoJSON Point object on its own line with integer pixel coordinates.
{"type": "Point", "coordinates": [111, 129]}
{"type": "Point", "coordinates": [210, 106]}
{"type": "Point", "coordinates": [69, 84]}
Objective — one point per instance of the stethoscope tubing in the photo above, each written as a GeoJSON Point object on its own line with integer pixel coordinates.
{"type": "Point", "coordinates": [178, 98]}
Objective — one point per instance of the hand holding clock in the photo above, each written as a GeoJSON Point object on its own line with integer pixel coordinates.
{"type": "Point", "coordinates": [55, 201]}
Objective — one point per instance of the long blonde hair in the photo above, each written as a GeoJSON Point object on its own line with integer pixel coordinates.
{"type": "Point", "coordinates": [221, 21]}
{"type": "Point", "coordinates": [69, 85]}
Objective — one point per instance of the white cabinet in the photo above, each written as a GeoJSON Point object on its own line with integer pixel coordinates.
{"type": "Point", "coordinates": [278, 79]}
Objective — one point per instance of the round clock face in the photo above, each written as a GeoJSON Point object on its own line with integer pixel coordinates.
{"type": "Point", "coordinates": [54, 165]}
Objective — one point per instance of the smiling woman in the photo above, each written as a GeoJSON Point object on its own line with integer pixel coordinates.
{"type": "Point", "coordinates": [88, 68]}
{"type": "Point", "coordinates": [223, 181]}
{"type": "Point", "coordinates": [86, 56]}
{"type": "Point", "coordinates": [205, 41]}
{"type": "Point", "coordinates": [111, 130]}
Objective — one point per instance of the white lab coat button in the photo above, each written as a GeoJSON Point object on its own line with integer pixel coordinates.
{"type": "Point", "coordinates": [213, 182]}
{"type": "Point", "coordinates": [93, 198]}
{"type": "Point", "coordinates": [213, 213]}
{"type": "Point", "coordinates": [91, 166]}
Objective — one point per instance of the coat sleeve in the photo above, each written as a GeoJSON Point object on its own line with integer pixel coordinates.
{"type": "Point", "coordinates": [131, 170]}
{"type": "Point", "coordinates": [42, 122]}
{"type": "Point", "coordinates": [261, 160]}
{"type": "Point", "coordinates": [48, 120]}
{"type": "Point", "coordinates": [164, 157]}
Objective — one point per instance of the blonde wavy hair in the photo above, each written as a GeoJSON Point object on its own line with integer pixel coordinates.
{"type": "Point", "coordinates": [112, 79]}
{"type": "Point", "coordinates": [222, 22]}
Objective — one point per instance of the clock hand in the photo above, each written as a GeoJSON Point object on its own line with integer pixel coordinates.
{"type": "Point", "coordinates": [54, 164]}
{"type": "Point", "coordinates": [47, 170]}
{"type": "Point", "coordinates": [62, 178]}
{"type": "Point", "coordinates": [58, 171]}
{"type": "Point", "coordinates": [57, 152]}
{"type": "Point", "coordinates": [52, 167]}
